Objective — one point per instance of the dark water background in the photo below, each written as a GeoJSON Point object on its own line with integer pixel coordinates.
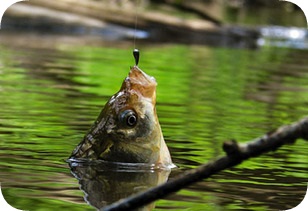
{"type": "Point", "coordinates": [53, 87]}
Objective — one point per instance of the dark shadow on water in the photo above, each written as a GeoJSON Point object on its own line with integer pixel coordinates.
{"type": "Point", "coordinates": [226, 36]}
{"type": "Point", "coordinates": [105, 182]}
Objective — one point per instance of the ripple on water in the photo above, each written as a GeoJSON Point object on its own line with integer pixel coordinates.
{"type": "Point", "coordinates": [50, 98]}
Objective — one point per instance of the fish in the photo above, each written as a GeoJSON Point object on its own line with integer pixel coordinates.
{"type": "Point", "coordinates": [127, 130]}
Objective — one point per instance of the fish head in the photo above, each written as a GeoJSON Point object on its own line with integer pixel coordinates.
{"type": "Point", "coordinates": [127, 130]}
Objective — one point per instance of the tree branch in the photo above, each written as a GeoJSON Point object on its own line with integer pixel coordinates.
{"type": "Point", "coordinates": [236, 153]}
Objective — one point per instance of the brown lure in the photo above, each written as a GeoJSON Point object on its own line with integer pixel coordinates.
{"type": "Point", "coordinates": [127, 129]}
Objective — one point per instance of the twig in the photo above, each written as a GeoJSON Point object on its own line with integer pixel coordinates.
{"type": "Point", "coordinates": [236, 153]}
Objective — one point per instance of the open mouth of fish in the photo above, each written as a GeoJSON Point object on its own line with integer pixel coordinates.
{"type": "Point", "coordinates": [127, 129]}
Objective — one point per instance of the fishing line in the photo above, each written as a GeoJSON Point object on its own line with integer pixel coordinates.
{"type": "Point", "coordinates": [136, 22]}
{"type": "Point", "coordinates": [136, 51]}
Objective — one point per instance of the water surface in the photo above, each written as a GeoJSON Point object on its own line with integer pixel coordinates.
{"type": "Point", "coordinates": [53, 88]}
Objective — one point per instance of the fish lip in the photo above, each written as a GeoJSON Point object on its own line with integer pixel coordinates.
{"type": "Point", "coordinates": [136, 73]}
{"type": "Point", "coordinates": [140, 83]}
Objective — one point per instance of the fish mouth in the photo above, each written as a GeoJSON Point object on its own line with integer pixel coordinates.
{"type": "Point", "coordinates": [140, 83]}
{"type": "Point", "coordinates": [138, 76]}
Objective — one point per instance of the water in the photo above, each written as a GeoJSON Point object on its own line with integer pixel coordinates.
{"type": "Point", "coordinates": [53, 87]}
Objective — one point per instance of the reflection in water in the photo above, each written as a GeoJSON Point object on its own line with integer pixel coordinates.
{"type": "Point", "coordinates": [51, 93]}
{"type": "Point", "coordinates": [105, 182]}
{"type": "Point", "coordinates": [291, 37]}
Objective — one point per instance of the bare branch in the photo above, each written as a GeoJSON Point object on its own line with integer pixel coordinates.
{"type": "Point", "coordinates": [236, 153]}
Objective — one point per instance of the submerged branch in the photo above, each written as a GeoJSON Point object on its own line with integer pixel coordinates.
{"type": "Point", "coordinates": [236, 153]}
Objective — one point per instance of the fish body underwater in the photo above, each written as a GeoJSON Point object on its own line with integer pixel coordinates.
{"type": "Point", "coordinates": [127, 129]}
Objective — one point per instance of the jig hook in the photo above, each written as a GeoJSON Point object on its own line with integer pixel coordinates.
{"type": "Point", "coordinates": [136, 56]}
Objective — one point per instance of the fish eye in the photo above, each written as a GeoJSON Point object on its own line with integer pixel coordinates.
{"type": "Point", "coordinates": [128, 118]}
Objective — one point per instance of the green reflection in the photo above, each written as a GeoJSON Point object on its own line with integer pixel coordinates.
{"type": "Point", "coordinates": [204, 96]}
